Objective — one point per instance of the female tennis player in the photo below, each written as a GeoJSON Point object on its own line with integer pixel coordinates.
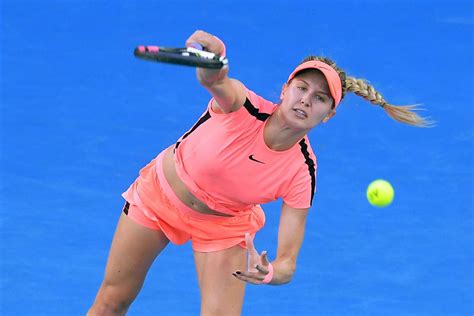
{"type": "Point", "coordinates": [207, 187]}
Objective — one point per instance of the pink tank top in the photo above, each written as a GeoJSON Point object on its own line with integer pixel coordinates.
{"type": "Point", "coordinates": [224, 161]}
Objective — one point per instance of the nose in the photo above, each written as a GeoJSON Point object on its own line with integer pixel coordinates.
{"type": "Point", "coordinates": [304, 102]}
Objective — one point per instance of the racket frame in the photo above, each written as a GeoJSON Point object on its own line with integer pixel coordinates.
{"type": "Point", "coordinates": [188, 56]}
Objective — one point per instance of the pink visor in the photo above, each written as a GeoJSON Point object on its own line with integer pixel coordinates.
{"type": "Point", "coordinates": [332, 77]}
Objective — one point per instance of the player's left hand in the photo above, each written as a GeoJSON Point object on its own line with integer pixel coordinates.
{"type": "Point", "coordinates": [257, 264]}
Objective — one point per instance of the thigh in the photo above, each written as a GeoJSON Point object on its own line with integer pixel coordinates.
{"type": "Point", "coordinates": [134, 248]}
{"type": "Point", "coordinates": [221, 292]}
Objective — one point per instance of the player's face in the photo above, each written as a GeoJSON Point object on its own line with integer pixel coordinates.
{"type": "Point", "coordinates": [306, 101]}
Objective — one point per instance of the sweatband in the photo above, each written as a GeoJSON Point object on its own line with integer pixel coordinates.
{"type": "Point", "coordinates": [269, 275]}
{"type": "Point", "coordinates": [332, 77]}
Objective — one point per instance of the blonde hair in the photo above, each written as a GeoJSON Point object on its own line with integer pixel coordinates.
{"type": "Point", "coordinates": [404, 114]}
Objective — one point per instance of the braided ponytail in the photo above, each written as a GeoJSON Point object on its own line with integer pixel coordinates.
{"type": "Point", "coordinates": [404, 114]}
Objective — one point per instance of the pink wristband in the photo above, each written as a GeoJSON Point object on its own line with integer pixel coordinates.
{"type": "Point", "coordinates": [269, 275]}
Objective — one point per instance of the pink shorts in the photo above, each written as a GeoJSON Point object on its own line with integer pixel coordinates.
{"type": "Point", "coordinates": [152, 203]}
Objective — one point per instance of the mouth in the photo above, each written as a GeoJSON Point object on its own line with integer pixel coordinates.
{"type": "Point", "coordinates": [300, 113]}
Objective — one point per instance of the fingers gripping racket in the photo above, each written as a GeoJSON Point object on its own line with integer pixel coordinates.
{"type": "Point", "coordinates": [190, 56]}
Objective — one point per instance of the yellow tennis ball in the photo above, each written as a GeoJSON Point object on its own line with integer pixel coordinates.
{"type": "Point", "coordinates": [380, 193]}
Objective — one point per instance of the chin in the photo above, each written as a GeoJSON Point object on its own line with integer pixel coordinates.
{"type": "Point", "coordinates": [301, 124]}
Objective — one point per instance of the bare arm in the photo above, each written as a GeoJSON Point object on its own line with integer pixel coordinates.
{"type": "Point", "coordinates": [290, 238]}
{"type": "Point", "coordinates": [229, 94]}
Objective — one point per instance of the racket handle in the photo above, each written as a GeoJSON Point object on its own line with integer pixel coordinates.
{"type": "Point", "coordinates": [196, 45]}
{"type": "Point", "coordinates": [143, 49]}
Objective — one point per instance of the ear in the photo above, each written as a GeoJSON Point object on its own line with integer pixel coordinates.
{"type": "Point", "coordinates": [329, 116]}
{"type": "Point", "coordinates": [283, 90]}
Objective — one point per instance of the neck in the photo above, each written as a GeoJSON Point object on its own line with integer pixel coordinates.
{"type": "Point", "coordinates": [279, 136]}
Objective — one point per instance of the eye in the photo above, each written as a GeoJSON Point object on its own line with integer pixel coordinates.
{"type": "Point", "coordinates": [320, 98]}
{"type": "Point", "coordinates": [302, 88]}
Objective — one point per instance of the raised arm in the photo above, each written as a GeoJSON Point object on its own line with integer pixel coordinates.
{"type": "Point", "coordinates": [229, 94]}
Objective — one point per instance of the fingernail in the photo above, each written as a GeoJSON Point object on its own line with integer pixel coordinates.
{"type": "Point", "coordinates": [234, 274]}
{"type": "Point", "coordinates": [238, 272]}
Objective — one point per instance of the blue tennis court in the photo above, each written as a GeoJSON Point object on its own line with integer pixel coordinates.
{"type": "Point", "coordinates": [79, 116]}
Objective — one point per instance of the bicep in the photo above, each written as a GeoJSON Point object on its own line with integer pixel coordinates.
{"type": "Point", "coordinates": [291, 232]}
{"type": "Point", "coordinates": [229, 95]}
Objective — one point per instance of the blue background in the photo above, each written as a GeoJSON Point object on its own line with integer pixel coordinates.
{"type": "Point", "coordinates": [80, 116]}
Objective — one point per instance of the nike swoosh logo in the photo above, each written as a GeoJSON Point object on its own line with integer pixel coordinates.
{"type": "Point", "coordinates": [253, 159]}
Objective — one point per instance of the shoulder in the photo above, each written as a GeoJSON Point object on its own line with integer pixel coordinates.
{"type": "Point", "coordinates": [254, 105]}
{"type": "Point", "coordinates": [259, 102]}
{"type": "Point", "coordinates": [302, 186]}
{"type": "Point", "coordinates": [305, 162]}
{"type": "Point", "coordinates": [307, 152]}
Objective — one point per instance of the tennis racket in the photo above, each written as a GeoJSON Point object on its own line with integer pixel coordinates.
{"type": "Point", "coordinates": [193, 56]}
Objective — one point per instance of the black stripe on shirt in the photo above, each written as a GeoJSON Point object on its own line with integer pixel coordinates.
{"type": "Point", "coordinates": [311, 168]}
{"type": "Point", "coordinates": [254, 111]}
{"type": "Point", "coordinates": [203, 118]}
{"type": "Point", "coordinates": [126, 207]}
{"type": "Point", "coordinates": [248, 105]}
